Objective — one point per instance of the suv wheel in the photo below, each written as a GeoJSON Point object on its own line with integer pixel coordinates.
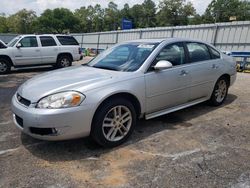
{"type": "Point", "coordinates": [4, 66]}
{"type": "Point", "coordinates": [64, 61]}
{"type": "Point", "coordinates": [113, 123]}
{"type": "Point", "coordinates": [220, 92]}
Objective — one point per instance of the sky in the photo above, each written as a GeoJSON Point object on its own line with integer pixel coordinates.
{"type": "Point", "coordinates": [12, 6]}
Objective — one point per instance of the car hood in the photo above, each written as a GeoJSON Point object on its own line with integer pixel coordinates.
{"type": "Point", "coordinates": [65, 79]}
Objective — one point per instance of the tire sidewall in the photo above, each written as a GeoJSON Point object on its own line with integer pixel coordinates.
{"type": "Point", "coordinates": [7, 64]}
{"type": "Point", "coordinates": [213, 100]}
{"type": "Point", "coordinates": [96, 128]}
{"type": "Point", "coordinates": [59, 65]}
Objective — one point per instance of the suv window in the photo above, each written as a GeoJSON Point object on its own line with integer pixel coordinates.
{"type": "Point", "coordinates": [214, 53]}
{"type": "Point", "coordinates": [29, 42]}
{"type": "Point", "coordinates": [174, 53]}
{"type": "Point", "coordinates": [198, 52]}
{"type": "Point", "coordinates": [47, 41]}
{"type": "Point", "coordinates": [67, 40]}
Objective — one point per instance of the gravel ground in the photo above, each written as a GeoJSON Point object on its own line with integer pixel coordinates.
{"type": "Point", "coordinates": [201, 146]}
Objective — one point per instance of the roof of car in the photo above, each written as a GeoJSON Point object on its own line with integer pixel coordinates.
{"type": "Point", "coordinates": [44, 35]}
{"type": "Point", "coordinates": [159, 40]}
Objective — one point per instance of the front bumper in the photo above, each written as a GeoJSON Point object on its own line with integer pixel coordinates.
{"type": "Point", "coordinates": [232, 79]}
{"type": "Point", "coordinates": [67, 123]}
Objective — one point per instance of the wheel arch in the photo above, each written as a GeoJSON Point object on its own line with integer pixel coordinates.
{"type": "Point", "coordinates": [227, 77]}
{"type": "Point", "coordinates": [7, 58]}
{"type": "Point", "coordinates": [66, 54]}
{"type": "Point", "coordinates": [126, 95]}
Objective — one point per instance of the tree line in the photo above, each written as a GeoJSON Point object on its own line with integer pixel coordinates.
{"type": "Point", "coordinates": [148, 14]}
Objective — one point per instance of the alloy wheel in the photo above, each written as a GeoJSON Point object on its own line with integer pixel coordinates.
{"type": "Point", "coordinates": [221, 91]}
{"type": "Point", "coordinates": [117, 123]}
{"type": "Point", "coordinates": [3, 67]}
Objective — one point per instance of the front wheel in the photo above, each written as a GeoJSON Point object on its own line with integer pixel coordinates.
{"type": "Point", "coordinates": [114, 122]}
{"type": "Point", "coordinates": [220, 92]}
{"type": "Point", "coordinates": [4, 66]}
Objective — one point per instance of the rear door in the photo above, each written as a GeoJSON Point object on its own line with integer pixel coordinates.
{"type": "Point", "coordinates": [49, 49]}
{"type": "Point", "coordinates": [204, 70]}
{"type": "Point", "coordinates": [29, 53]}
{"type": "Point", "coordinates": [170, 87]}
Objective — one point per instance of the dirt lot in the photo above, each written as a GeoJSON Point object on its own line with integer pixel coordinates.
{"type": "Point", "coordinates": [200, 146]}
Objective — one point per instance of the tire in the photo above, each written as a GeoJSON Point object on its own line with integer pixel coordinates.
{"type": "Point", "coordinates": [109, 131]}
{"type": "Point", "coordinates": [220, 92]}
{"type": "Point", "coordinates": [5, 66]}
{"type": "Point", "coordinates": [64, 61]}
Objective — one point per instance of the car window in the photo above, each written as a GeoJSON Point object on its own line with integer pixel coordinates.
{"type": "Point", "coordinates": [47, 41]}
{"type": "Point", "coordinates": [28, 42]}
{"type": "Point", "coordinates": [174, 53]}
{"type": "Point", "coordinates": [198, 52]}
{"type": "Point", "coordinates": [125, 57]}
{"type": "Point", "coordinates": [13, 41]}
{"type": "Point", "coordinates": [67, 40]}
{"type": "Point", "coordinates": [214, 53]}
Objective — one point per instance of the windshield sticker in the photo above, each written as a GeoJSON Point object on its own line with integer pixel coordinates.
{"type": "Point", "coordinates": [147, 46]}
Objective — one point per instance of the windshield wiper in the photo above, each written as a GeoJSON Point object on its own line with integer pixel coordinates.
{"type": "Point", "coordinates": [105, 67]}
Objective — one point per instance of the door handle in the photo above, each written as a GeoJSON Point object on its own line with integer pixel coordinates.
{"type": "Point", "coordinates": [183, 73]}
{"type": "Point", "coordinates": [37, 50]}
{"type": "Point", "coordinates": [214, 66]}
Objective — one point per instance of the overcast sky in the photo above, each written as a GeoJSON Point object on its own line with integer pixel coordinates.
{"type": "Point", "coordinates": [12, 6]}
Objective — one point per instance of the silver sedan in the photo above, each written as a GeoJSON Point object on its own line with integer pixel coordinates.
{"type": "Point", "coordinates": [136, 79]}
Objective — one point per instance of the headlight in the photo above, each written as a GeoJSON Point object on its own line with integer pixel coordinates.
{"type": "Point", "coordinates": [61, 100]}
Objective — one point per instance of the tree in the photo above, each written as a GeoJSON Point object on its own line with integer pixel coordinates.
{"type": "Point", "coordinates": [111, 17]}
{"type": "Point", "coordinates": [149, 12]}
{"type": "Point", "coordinates": [137, 16]}
{"type": "Point", "coordinates": [174, 12]}
{"type": "Point", "coordinates": [58, 20]}
{"type": "Point", "coordinates": [222, 10]}
{"type": "Point", "coordinates": [3, 24]}
{"type": "Point", "coordinates": [21, 22]}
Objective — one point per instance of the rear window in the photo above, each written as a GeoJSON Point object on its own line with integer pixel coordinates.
{"type": "Point", "coordinates": [67, 40]}
{"type": "Point", "coordinates": [214, 53]}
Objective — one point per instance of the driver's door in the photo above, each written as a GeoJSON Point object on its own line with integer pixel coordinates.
{"type": "Point", "coordinates": [29, 53]}
{"type": "Point", "coordinates": [170, 87]}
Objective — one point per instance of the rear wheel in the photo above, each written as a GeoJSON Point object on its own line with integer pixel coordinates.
{"type": "Point", "coordinates": [113, 123]}
{"type": "Point", "coordinates": [4, 66]}
{"type": "Point", "coordinates": [64, 61]}
{"type": "Point", "coordinates": [220, 92]}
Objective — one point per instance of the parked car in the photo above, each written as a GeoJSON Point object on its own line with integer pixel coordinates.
{"type": "Point", "coordinates": [137, 79]}
{"type": "Point", "coordinates": [37, 50]}
{"type": "Point", "coordinates": [2, 44]}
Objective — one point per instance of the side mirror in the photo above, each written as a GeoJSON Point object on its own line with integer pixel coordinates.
{"type": "Point", "coordinates": [163, 64]}
{"type": "Point", "coordinates": [19, 45]}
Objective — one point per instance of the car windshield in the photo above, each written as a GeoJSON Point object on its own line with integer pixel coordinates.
{"type": "Point", "coordinates": [13, 41]}
{"type": "Point", "coordinates": [125, 57]}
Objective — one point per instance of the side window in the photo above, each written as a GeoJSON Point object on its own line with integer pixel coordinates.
{"type": "Point", "coordinates": [47, 41]}
{"type": "Point", "coordinates": [29, 42]}
{"type": "Point", "coordinates": [174, 53]}
{"type": "Point", "coordinates": [214, 53]}
{"type": "Point", "coordinates": [198, 52]}
{"type": "Point", "coordinates": [67, 40]}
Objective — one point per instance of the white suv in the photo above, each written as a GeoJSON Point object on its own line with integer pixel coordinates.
{"type": "Point", "coordinates": [36, 50]}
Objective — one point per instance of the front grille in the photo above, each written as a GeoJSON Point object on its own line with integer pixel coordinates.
{"type": "Point", "coordinates": [23, 100]}
{"type": "Point", "coordinates": [19, 120]}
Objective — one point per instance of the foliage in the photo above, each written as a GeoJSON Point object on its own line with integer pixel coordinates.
{"type": "Point", "coordinates": [58, 20]}
{"type": "Point", "coordinates": [175, 12]}
{"type": "Point", "coordinates": [222, 10]}
{"type": "Point", "coordinates": [95, 18]}
{"type": "Point", "coordinates": [21, 22]}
